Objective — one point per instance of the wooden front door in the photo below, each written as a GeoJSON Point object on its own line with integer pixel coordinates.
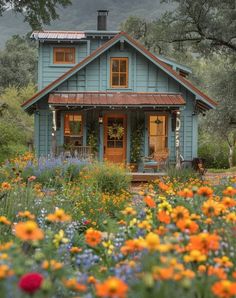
{"type": "Point", "coordinates": [115, 137]}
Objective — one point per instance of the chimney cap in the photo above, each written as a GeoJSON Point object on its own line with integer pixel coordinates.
{"type": "Point", "coordinates": [103, 11]}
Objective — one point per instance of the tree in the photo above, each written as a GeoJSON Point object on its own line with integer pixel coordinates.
{"type": "Point", "coordinates": [209, 24]}
{"type": "Point", "coordinates": [16, 127]}
{"type": "Point", "coordinates": [18, 63]}
{"type": "Point", "coordinates": [218, 75]}
{"type": "Point", "coordinates": [36, 12]}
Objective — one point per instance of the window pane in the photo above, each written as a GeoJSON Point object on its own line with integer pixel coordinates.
{"type": "Point", "coordinates": [115, 65]}
{"type": "Point", "coordinates": [73, 130]}
{"type": "Point", "coordinates": [123, 80]}
{"type": "Point", "coordinates": [69, 57]}
{"type": "Point", "coordinates": [157, 133]}
{"type": "Point", "coordinates": [123, 65]}
{"type": "Point", "coordinates": [115, 79]}
{"type": "Point", "coordinates": [59, 56]}
{"type": "Point", "coordinates": [64, 55]}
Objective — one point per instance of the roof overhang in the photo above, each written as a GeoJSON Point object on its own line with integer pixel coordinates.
{"type": "Point", "coordinates": [116, 99]}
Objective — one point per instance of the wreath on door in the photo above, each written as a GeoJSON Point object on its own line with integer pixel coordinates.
{"type": "Point", "coordinates": [116, 131]}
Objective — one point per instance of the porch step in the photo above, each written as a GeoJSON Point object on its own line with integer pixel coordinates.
{"type": "Point", "coordinates": [146, 177]}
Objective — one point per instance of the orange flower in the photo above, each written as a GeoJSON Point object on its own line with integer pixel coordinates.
{"type": "Point", "coordinates": [185, 193]}
{"type": "Point", "coordinates": [229, 191]}
{"type": "Point", "coordinates": [28, 231]}
{"type": "Point", "coordinates": [187, 225]}
{"type": "Point", "coordinates": [180, 213]}
{"type": "Point", "coordinates": [112, 287]}
{"type": "Point", "coordinates": [4, 220]}
{"type": "Point", "coordinates": [228, 202]}
{"type": "Point", "coordinates": [93, 237]}
{"type": "Point", "coordinates": [75, 249]}
{"type": "Point", "coordinates": [163, 186]}
{"type": "Point", "coordinates": [26, 214]}
{"type": "Point", "coordinates": [163, 273]}
{"type": "Point", "coordinates": [6, 186]}
{"type": "Point", "coordinates": [58, 216]}
{"type": "Point", "coordinates": [204, 242]}
{"type": "Point", "coordinates": [205, 191]}
{"type": "Point", "coordinates": [224, 262]}
{"type": "Point", "coordinates": [164, 217]}
{"type": "Point", "coordinates": [217, 271]}
{"type": "Point", "coordinates": [149, 202]}
{"type": "Point", "coordinates": [132, 245]}
{"type": "Point", "coordinates": [74, 285]}
{"type": "Point", "coordinates": [211, 208]}
{"type": "Point", "coordinates": [224, 289]}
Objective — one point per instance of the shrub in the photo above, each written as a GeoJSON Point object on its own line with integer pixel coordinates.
{"type": "Point", "coordinates": [181, 175]}
{"type": "Point", "coordinates": [109, 178]}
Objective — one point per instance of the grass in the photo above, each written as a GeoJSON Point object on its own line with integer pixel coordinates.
{"type": "Point", "coordinates": [230, 170]}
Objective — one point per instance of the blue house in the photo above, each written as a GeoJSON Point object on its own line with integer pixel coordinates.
{"type": "Point", "coordinates": [103, 92]}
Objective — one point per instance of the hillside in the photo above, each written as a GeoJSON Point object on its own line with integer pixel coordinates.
{"type": "Point", "coordinates": [82, 15]}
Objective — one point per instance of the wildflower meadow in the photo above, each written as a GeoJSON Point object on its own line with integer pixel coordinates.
{"type": "Point", "coordinates": [71, 229]}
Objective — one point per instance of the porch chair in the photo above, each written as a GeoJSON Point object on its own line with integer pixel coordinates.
{"type": "Point", "coordinates": [156, 161]}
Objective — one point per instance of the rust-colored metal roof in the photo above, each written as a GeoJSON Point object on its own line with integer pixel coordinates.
{"type": "Point", "coordinates": [116, 99]}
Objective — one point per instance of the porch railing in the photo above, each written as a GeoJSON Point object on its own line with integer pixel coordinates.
{"type": "Point", "coordinates": [80, 152]}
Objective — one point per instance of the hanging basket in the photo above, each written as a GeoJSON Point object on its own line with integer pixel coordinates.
{"type": "Point", "coordinates": [116, 131]}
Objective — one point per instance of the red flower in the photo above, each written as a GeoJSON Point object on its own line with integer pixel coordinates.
{"type": "Point", "coordinates": [30, 282]}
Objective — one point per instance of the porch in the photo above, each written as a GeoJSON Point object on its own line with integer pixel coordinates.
{"type": "Point", "coordinates": [117, 127]}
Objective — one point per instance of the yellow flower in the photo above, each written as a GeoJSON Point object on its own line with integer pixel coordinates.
{"type": "Point", "coordinates": [152, 241]}
{"type": "Point", "coordinates": [145, 225]}
{"type": "Point", "coordinates": [129, 211]}
{"type": "Point", "coordinates": [58, 216]}
{"type": "Point", "coordinates": [109, 246]}
{"type": "Point", "coordinates": [5, 271]}
{"type": "Point", "coordinates": [195, 256]}
{"type": "Point", "coordinates": [52, 265]}
{"type": "Point", "coordinates": [4, 220]}
{"type": "Point", "coordinates": [60, 239]}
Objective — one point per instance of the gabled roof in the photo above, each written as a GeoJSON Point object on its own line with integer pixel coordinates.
{"type": "Point", "coordinates": [122, 36]}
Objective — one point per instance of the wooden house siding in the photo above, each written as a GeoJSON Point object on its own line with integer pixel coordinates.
{"type": "Point", "coordinates": [144, 76]}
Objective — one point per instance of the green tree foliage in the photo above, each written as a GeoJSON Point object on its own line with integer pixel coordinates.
{"type": "Point", "coordinates": [208, 24]}
{"type": "Point", "coordinates": [36, 12]}
{"type": "Point", "coordinates": [18, 63]}
{"type": "Point", "coordinates": [218, 78]}
{"type": "Point", "coordinates": [16, 126]}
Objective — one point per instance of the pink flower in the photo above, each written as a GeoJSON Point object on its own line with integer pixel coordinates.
{"type": "Point", "coordinates": [30, 282]}
{"type": "Point", "coordinates": [31, 178]}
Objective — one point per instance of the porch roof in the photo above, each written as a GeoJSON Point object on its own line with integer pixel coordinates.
{"type": "Point", "coordinates": [116, 99]}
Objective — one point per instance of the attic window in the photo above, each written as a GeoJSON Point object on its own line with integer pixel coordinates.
{"type": "Point", "coordinates": [64, 55]}
{"type": "Point", "coordinates": [119, 72]}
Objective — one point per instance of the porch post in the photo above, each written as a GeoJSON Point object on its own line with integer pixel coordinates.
{"type": "Point", "coordinates": [177, 140]}
{"type": "Point", "coordinates": [54, 132]}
